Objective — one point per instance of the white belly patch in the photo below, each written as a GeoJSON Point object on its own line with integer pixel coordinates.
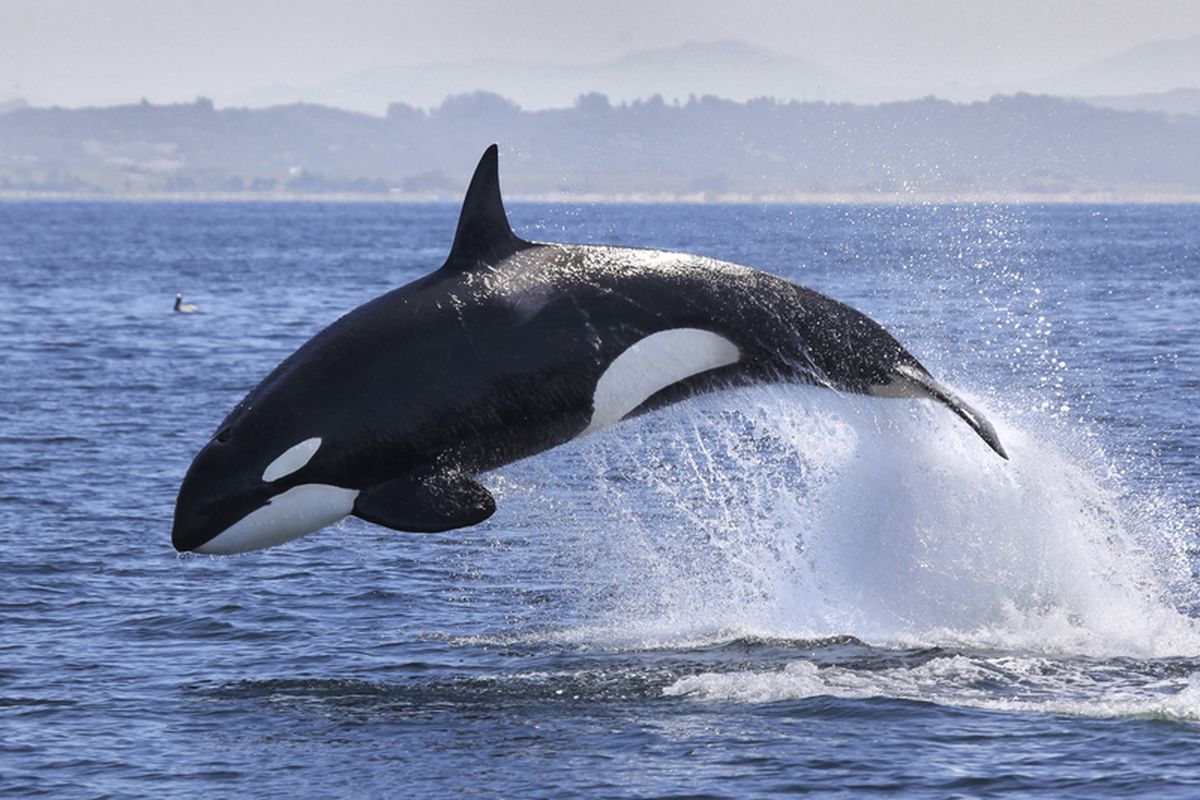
{"type": "Point", "coordinates": [653, 364]}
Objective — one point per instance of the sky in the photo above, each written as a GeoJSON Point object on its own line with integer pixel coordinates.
{"type": "Point", "coordinates": [73, 52]}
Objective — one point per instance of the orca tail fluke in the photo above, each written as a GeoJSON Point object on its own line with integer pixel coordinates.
{"type": "Point", "coordinates": [927, 386]}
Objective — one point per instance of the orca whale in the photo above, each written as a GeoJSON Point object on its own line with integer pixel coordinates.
{"type": "Point", "coordinates": [509, 349]}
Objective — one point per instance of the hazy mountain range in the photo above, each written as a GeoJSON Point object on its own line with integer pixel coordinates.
{"type": "Point", "coordinates": [1176, 101]}
{"type": "Point", "coordinates": [729, 69]}
{"type": "Point", "coordinates": [1148, 68]}
{"type": "Point", "coordinates": [714, 120]}
{"type": "Point", "coordinates": [707, 148]}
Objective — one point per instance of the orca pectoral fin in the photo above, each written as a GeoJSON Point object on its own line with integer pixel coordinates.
{"type": "Point", "coordinates": [426, 503]}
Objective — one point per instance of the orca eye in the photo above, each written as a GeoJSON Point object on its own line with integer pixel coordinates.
{"type": "Point", "coordinates": [223, 435]}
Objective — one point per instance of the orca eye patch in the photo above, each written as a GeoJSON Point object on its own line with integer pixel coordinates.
{"type": "Point", "coordinates": [292, 459]}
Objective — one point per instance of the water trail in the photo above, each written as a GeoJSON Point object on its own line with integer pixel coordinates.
{"type": "Point", "coordinates": [798, 513]}
{"type": "Point", "coordinates": [1011, 683]}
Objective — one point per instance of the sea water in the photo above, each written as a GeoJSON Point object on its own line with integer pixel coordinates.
{"type": "Point", "coordinates": [756, 592]}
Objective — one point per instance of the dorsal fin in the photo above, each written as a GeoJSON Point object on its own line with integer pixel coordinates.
{"type": "Point", "coordinates": [483, 235]}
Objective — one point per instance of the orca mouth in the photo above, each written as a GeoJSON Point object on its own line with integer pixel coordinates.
{"type": "Point", "coordinates": [189, 534]}
{"type": "Point", "coordinates": [289, 515]}
{"type": "Point", "coordinates": [204, 512]}
{"type": "Point", "coordinates": [192, 530]}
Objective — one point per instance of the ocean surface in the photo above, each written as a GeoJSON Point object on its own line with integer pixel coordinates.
{"type": "Point", "coordinates": [759, 592]}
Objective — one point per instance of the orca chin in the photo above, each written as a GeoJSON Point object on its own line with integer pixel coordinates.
{"type": "Point", "coordinates": [509, 349]}
{"type": "Point", "coordinates": [298, 511]}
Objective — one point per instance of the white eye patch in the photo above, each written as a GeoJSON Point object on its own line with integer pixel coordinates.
{"type": "Point", "coordinates": [292, 459]}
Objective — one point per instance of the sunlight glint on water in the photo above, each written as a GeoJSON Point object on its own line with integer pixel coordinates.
{"type": "Point", "coordinates": [750, 594]}
{"type": "Point", "coordinates": [804, 515]}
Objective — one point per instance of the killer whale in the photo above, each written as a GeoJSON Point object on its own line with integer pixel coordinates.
{"type": "Point", "coordinates": [510, 348]}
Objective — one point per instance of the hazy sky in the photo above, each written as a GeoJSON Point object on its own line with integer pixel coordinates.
{"type": "Point", "coordinates": [75, 51]}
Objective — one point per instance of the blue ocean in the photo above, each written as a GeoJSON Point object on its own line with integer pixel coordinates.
{"type": "Point", "coordinates": [758, 592]}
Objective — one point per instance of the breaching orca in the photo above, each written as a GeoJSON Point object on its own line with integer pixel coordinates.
{"type": "Point", "coordinates": [510, 348]}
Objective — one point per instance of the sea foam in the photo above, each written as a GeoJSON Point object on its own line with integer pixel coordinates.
{"type": "Point", "coordinates": [791, 512]}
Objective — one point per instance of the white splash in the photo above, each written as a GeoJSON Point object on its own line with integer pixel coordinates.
{"type": "Point", "coordinates": [1007, 683]}
{"type": "Point", "coordinates": [805, 514]}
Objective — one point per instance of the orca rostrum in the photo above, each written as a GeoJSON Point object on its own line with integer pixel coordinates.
{"type": "Point", "coordinates": [509, 349]}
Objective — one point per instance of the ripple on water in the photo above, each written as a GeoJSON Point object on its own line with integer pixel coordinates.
{"type": "Point", "coordinates": [760, 593]}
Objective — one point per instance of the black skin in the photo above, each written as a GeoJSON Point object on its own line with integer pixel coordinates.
{"type": "Point", "coordinates": [495, 357]}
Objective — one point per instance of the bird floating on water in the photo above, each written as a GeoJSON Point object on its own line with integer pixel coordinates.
{"type": "Point", "coordinates": [182, 307]}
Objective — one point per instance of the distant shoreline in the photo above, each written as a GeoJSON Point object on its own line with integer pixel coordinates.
{"type": "Point", "coordinates": [642, 198]}
{"type": "Point", "coordinates": [1010, 149]}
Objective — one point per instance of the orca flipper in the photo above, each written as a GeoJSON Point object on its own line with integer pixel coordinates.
{"type": "Point", "coordinates": [426, 502]}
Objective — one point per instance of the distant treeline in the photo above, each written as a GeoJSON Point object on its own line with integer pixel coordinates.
{"type": "Point", "coordinates": [706, 146]}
